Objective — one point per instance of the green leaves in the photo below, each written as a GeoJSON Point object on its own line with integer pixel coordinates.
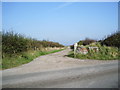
{"type": "Point", "coordinates": [87, 41]}
{"type": "Point", "coordinates": [13, 43]}
{"type": "Point", "coordinates": [112, 40]}
{"type": "Point", "coordinates": [16, 47]}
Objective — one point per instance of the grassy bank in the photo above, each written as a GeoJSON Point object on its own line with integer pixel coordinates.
{"type": "Point", "coordinates": [104, 53]}
{"type": "Point", "coordinates": [23, 58]}
{"type": "Point", "coordinates": [18, 49]}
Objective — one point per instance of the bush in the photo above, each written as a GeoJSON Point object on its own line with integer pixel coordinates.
{"type": "Point", "coordinates": [13, 43]}
{"type": "Point", "coordinates": [112, 40]}
{"type": "Point", "coordinates": [18, 49]}
{"type": "Point", "coordinates": [87, 41]}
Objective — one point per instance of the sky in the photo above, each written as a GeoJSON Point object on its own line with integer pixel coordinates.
{"type": "Point", "coordinates": [63, 22]}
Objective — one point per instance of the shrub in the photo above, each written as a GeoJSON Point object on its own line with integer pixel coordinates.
{"type": "Point", "coordinates": [13, 43]}
{"type": "Point", "coordinates": [87, 41]}
{"type": "Point", "coordinates": [112, 40]}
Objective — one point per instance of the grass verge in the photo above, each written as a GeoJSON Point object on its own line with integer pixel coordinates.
{"type": "Point", "coordinates": [104, 53]}
{"type": "Point", "coordinates": [23, 58]}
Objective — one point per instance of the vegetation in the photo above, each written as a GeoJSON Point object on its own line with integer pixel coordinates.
{"type": "Point", "coordinates": [18, 49]}
{"type": "Point", "coordinates": [112, 40]}
{"type": "Point", "coordinates": [87, 41]}
{"type": "Point", "coordinates": [104, 53]}
{"type": "Point", "coordinates": [15, 43]}
{"type": "Point", "coordinates": [109, 48]}
{"type": "Point", "coordinates": [0, 50]}
{"type": "Point", "coordinates": [23, 58]}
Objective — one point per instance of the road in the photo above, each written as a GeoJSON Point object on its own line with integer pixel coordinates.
{"type": "Point", "coordinates": [58, 71]}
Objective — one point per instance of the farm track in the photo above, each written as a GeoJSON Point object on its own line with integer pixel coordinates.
{"type": "Point", "coordinates": [58, 70]}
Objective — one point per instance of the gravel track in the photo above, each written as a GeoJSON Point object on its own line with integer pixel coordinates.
{"type": "Point", "coordinates": [53, 61]}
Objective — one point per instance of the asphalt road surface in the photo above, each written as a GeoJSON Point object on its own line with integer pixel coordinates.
{"type": "Point", "coordinates": [73, 74]}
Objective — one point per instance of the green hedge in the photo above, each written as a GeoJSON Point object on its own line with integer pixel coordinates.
{"type": "Point", "coordinates": [13, 43]}
{"type": "Point", "coordinates": [112, 40]}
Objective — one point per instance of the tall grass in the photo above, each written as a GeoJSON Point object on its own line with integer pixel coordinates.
{"type": "Point", "coordinates": [23, 58]}
{"type": "Point", "coordinates": [104, 53]}
{"type": "Point", "coordinates": [109, 48]}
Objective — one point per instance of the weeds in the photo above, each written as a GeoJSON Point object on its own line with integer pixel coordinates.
{"type": "Point", "coordinates": [104, 53]}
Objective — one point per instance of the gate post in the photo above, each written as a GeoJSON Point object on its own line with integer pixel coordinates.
{"type": "Point", "coordinates": [75, 48]}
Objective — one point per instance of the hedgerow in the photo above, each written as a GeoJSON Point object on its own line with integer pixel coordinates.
{"type": "Point", "coordinates": [13, 43]}
{"type": "Point", "coordinates": [112, 40]}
